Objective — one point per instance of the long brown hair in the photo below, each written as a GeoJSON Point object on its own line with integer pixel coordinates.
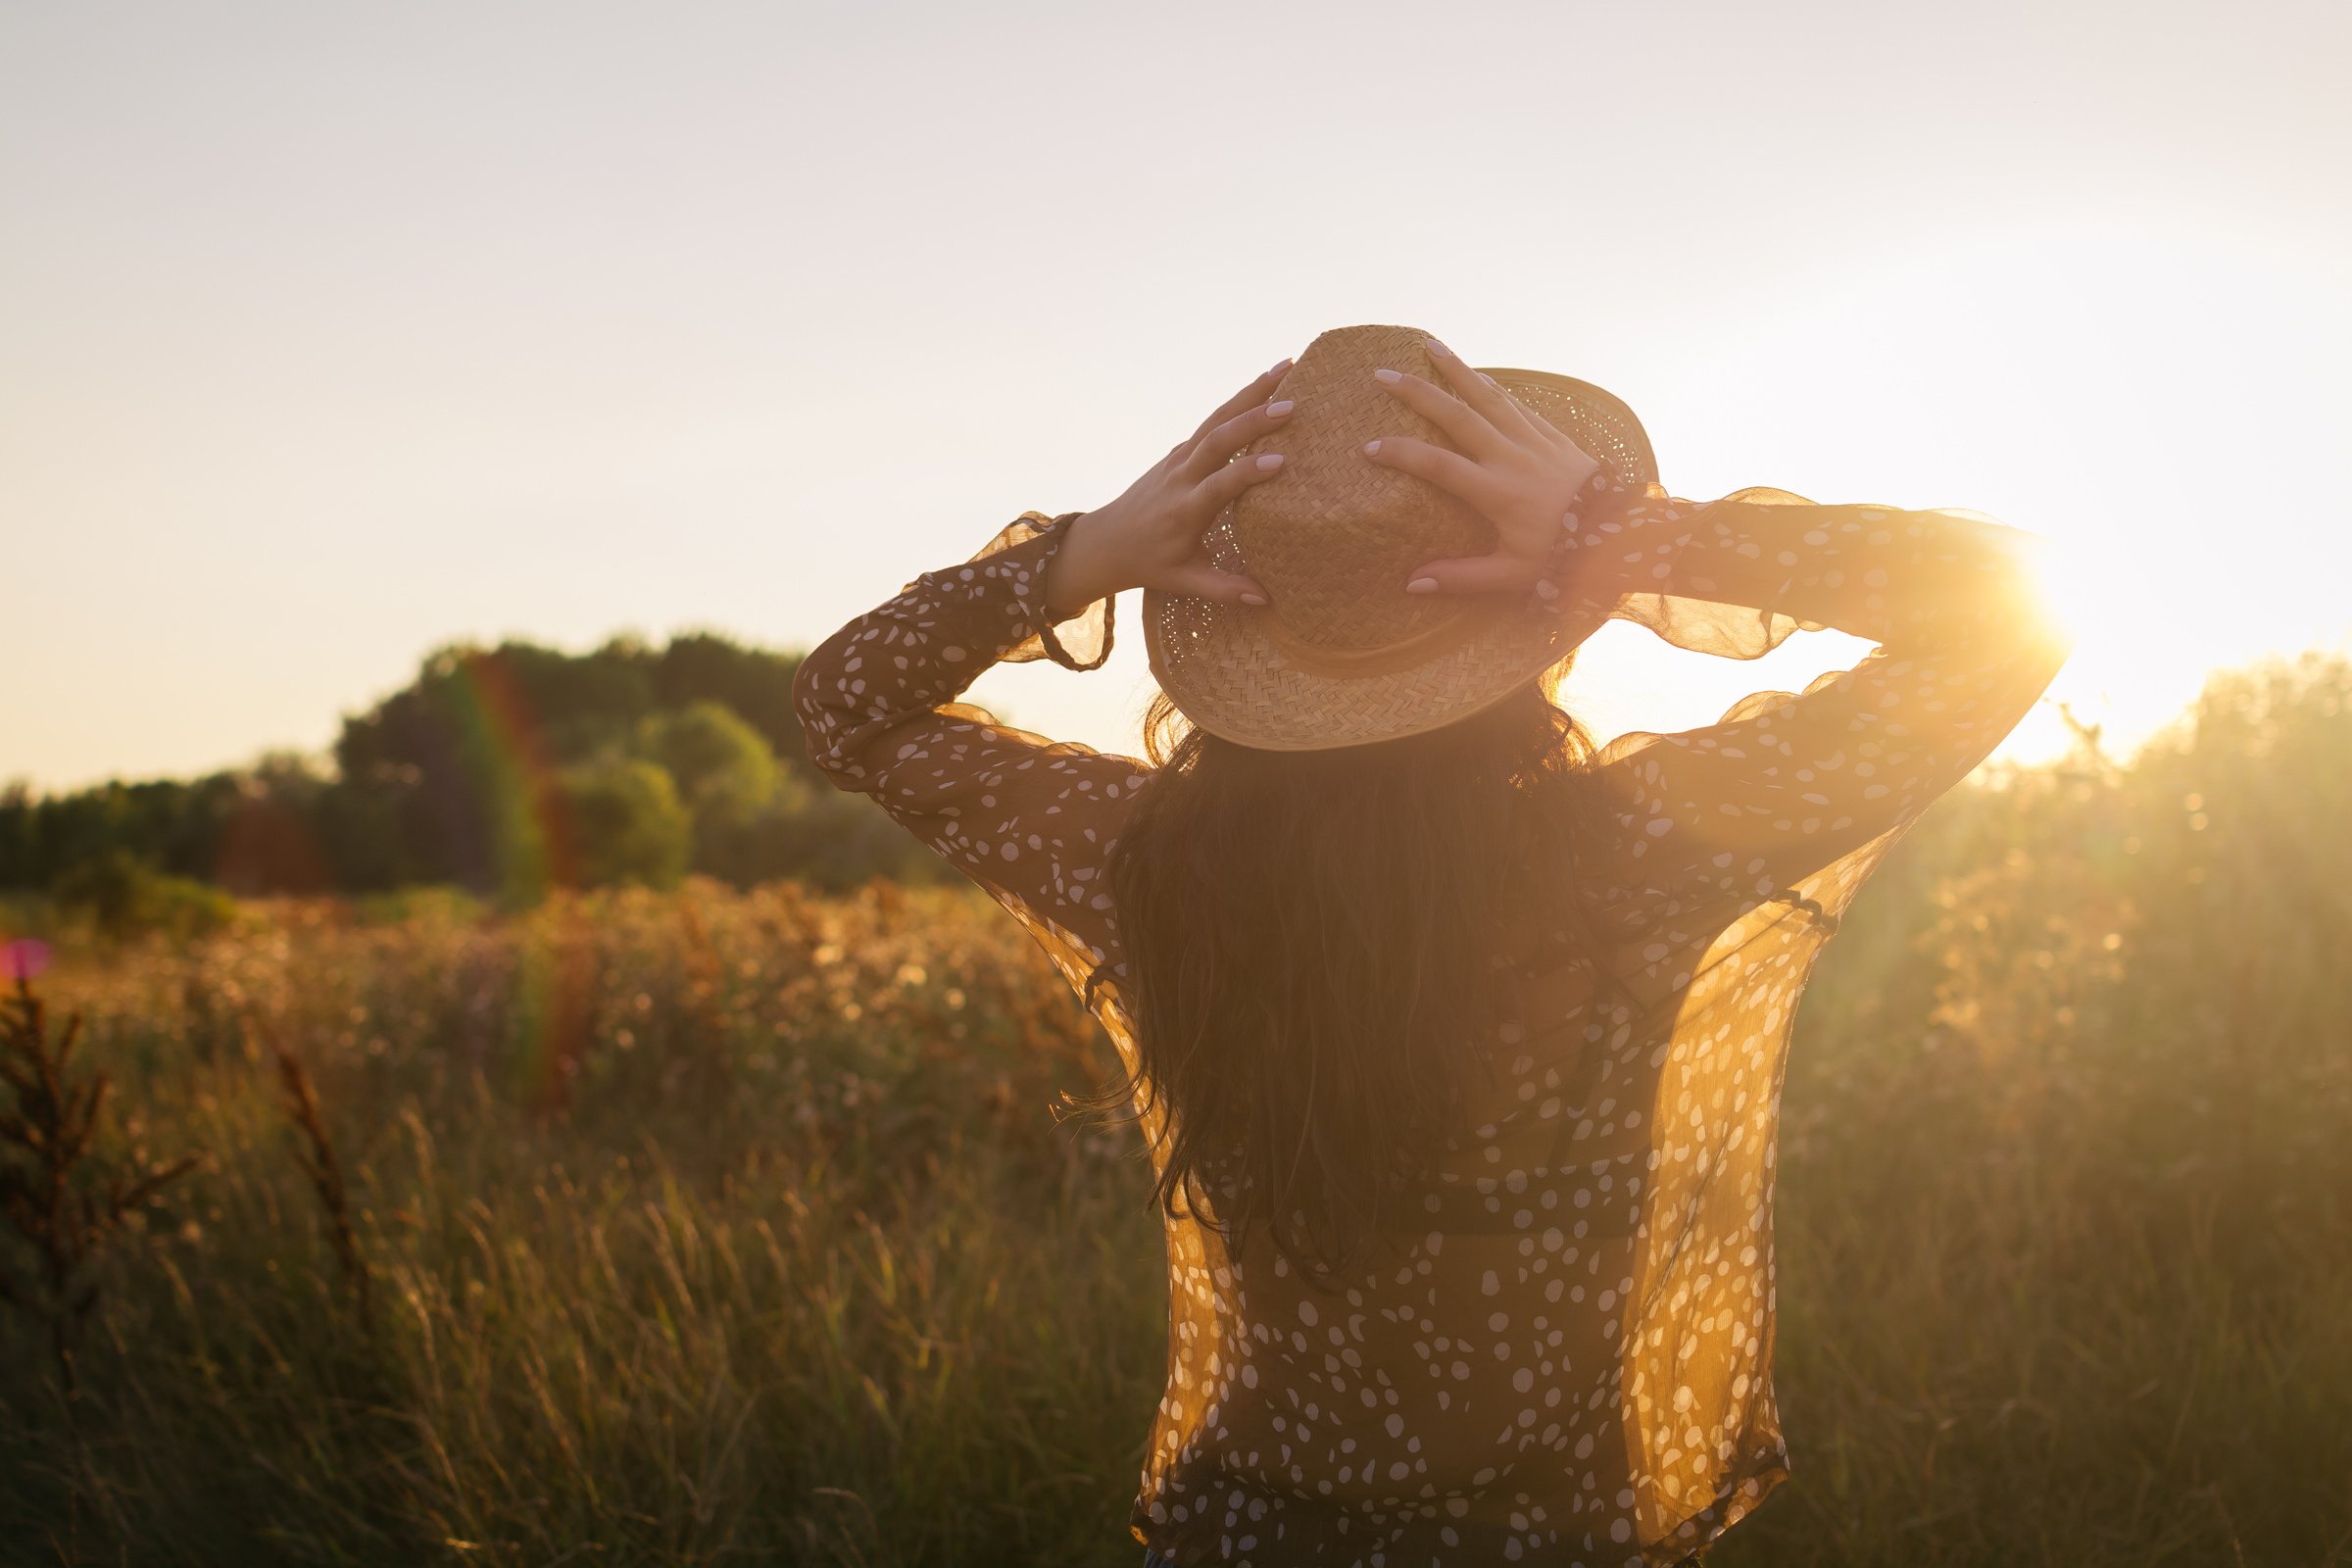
{"type": "Point", "coordinates": [1311, 940]}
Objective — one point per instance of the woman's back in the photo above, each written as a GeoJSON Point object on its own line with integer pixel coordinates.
{"type": "Point", "coordinates": [1570, 1340]}
{"type": "Point", "coordinates": [1409, 1397]}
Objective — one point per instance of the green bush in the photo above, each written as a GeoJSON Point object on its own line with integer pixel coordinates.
{"type": "Point", "coordinates": [625, 824]}
{"type": "Point", "coordinates": [124, 897]}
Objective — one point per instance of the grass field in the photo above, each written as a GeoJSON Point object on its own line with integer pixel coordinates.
{"type": "Point", "coordinates": [717, 1227]}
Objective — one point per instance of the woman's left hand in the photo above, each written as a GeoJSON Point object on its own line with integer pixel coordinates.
{"type": "Point", "coordinates": [1152, 535]}
{"type": "Point", "coordinates": [1511, 465]}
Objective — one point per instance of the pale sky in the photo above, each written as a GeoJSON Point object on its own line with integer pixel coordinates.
{"type": "Point", "coordinates": [332, 333]}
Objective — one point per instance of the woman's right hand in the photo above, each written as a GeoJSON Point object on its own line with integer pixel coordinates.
{"type": "Point", "coordinates": [1513, 468]}
{"type": "Point", "coordinates": [1153, 537]}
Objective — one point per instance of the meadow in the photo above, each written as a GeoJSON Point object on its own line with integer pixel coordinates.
{"type": "Point", "coordinates": [726, 1226]}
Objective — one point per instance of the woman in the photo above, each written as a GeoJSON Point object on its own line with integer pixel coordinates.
{"type": "Point", "coordinates": [1457, 1044]}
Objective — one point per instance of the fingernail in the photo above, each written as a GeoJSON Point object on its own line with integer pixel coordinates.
{"type": "Point", "coordinates": [1422, 585]}
{"type": "Point", "coordinates": [1277, 410]}
{"type": "Point", "coordinates": [1372, 449]}
{"type": "Point", "coordinates": [1280, 366]}
{"type": "Point", "coordinates": [1388, 377]}
{"type": "Point", "coordinates": [1253, 598]}
{"type": "Point", "coordinates": [1437, 348]}
{"type": "Point", "coordinates": [1270, 460]}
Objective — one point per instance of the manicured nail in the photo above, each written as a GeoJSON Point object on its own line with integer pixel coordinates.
{"type": "Point", "coordinates": [1372, 449]}
{"type": "Point", "coordinates": [1437, 348]}
{"type": "Point", "coordinates": [1280, 366]}
{"type": "Point", "coordinates": [1269, 460]}
{"type": "Point", "coordinates": [1390, 377]}
{"type": "Point", "coordinates": [1277, 410]}
{"type": "Point", "coordinates": [1253, 598]}
{"type": "Point", "coordinates": [1422, 585]}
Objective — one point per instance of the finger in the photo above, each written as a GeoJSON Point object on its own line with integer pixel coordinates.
{"type": "Point", "coordinates": [1204, 581]}
{"type": "Point", "coordinates": [1449, 471]}
{"type": "Point", "coordinates": [1232, 479]}
{"type": "Point", "coordinates": [1216, 447]}
{"type": "Point", "coordinates": [1474, 574]}
{"type": "Point", "coordinates": [1552, 435]}
{"type": "Point", "coordinates": [1257, 391]}
{"type": "Point", "coordinates": [1464, 424]}
{"type": "Point", "coordinates": [1501, 410]}
{"type": "Point", "coordinates": [1542, 423]}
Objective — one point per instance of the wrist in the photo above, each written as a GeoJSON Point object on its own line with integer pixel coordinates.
{"type": "Point", "coordinates": [1080, 570]}
{"type": "Point", "coordinates": [1576, 561]}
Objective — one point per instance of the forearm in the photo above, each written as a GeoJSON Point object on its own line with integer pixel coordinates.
{"type": "Point", "coordinates": [1880, 572]}
{"type": "Point", "coordinates": [1770, 798]}
{"type": "Point", "coordinates": [925, 646]}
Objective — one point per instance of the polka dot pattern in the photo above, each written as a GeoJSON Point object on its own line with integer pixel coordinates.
{"type": "Point", "coordinates": [1572, 1362]}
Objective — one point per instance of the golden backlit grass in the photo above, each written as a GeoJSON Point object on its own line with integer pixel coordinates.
{"type": "Point", "coordinates": [720, 1227]}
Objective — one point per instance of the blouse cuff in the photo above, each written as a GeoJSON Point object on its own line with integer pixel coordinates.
{"type": "Point", "coordinates": [1087, 632]}
{"type": "Point", "coordinates": [1597, 503]}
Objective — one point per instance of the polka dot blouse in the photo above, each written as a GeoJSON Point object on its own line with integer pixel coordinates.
{"type": "Point", "coordinates": [1572, 1363]}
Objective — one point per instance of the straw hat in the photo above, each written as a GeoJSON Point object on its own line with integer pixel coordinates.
{"type": "Point", "coordinates": [1341, 656]}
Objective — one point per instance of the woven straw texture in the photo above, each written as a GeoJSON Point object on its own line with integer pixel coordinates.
{"type": "Point", "coordinates": [1343, 656]}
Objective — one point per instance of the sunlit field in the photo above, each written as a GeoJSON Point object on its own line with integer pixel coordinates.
{"type": "Point", "coordinates": [737, 1227]}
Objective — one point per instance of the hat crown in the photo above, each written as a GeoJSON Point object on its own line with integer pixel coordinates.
{"type": "Point", "coordinates": [1334, 535]}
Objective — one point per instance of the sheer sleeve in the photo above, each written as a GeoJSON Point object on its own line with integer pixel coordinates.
{"type": "Point", "coordinates": [1026, 817]}
{"type": "Point", "coordinates": [1793, 799]}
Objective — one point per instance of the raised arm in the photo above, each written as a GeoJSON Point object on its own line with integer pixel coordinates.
{"type": "Point", "coordinates": [1752, 807]}
{"type": "Point", "coordinates": [1021, 815]}
{"type": "Point", "coordinates": [1772, 802]}
{"type": "Point", "coordinates": [1026, 817]}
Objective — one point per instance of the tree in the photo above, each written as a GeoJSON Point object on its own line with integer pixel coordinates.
{"type": "Point", "coordinates": [474, 743]}
{"type": "Point", "coordinates": [724, 768]}
{"type": "Point", "coordinates": [618, 820]}
{"type": "Point", "coordinates": [754, 682]}
{"type": "Point", "coordinates": [505, 771]}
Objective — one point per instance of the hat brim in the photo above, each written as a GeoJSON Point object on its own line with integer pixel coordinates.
{"type": "Point", "coordinates": [1226, 673]}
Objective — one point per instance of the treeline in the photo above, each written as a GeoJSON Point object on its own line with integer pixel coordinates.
{"type": "Point", "coordinates": [503, 770]}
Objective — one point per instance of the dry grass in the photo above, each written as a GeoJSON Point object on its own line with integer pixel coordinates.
{"type": "Point", "coordinates": [62, 1204]}
{"type": "Point", "coordinates": [325, 1170]}
{"type": "Point", "coordinates": [715, 1228]}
